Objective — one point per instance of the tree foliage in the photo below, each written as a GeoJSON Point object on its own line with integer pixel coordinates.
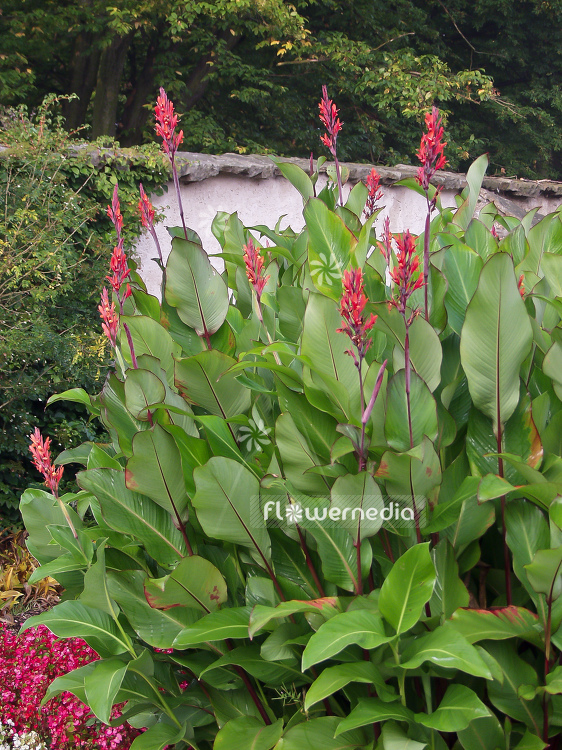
{"type": "Point", "coordinates": [247, 74]}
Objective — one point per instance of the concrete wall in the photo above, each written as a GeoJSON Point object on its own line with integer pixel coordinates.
{"type": "Point", "coordinates": [254, 187]}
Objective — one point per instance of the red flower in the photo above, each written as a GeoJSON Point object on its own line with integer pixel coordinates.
{"type": "Point", "coordinates": [406, 275]}
{"type": "Point", "coordinates": [120, 269]}
{"type": "Point", "coordinates": [330, 120]}
{"type": "Point", "coordinates": [166, 121]}
{"type": "Point", "coordinates": [114, 212]}
{"type": "Point", "coordinates": [375, 193]}
{"type": "Point", "coordinates": [352, 304]}
{"type": "Point", "coordinates": [521, 286]}
{"type": "Point", "coordinates": [109, 317]}
{"type": "Point", "coordinates": [40, 450]}
{"type": "Point", "coordinates": [254, 268]}
{"type": "Point", "coordinates": [431, 149]}
{"type": "Point", "coordinates": [145, 208]}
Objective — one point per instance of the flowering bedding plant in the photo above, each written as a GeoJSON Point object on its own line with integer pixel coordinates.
{"type": "Point", "coordinates": [329, 512]}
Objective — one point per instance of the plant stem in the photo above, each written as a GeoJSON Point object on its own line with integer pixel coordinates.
{"type": "Point", "coordinates": [426, 256]}
{"type": "Point", "coordinates": [338, 175]}
{"type": "Point", "coordinates": [178, 193]}
{"type": "Point", "coordinates": [506, 558]}
{"type": "Point", "coordinates": [249, 687]}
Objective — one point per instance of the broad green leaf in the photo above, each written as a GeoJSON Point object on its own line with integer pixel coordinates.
{"type": "Point", "coordinates": [195, 288]}
{"type": "Point", "coordinates": [459, 707]}
{"type": "Point", "coordinates": [449, 593]}
{"type": "Point", "coordinates": [39, 510]}
{"type": "Point", "coordinates": [134, 514]}
{"type": "Point", "coordinates": [251, 661]}
{"type": "Point", "coordinates": [143, 389]}
{"type": "Point", "coordinates": [73, 682]}
{"type": "Point", "coordinates": [227, 623]}
{"type": "Point", "coordinates": [333, 679]}
{"type": "Point", "coordinates": [330, 245]}
{"type": "Point", "coordinates": [120, 423]}
{"type": "Point", "coordinates": [462, 268]}
{"type": "Point", "coordinates": [79, 396]}
{"type": "Point", "coordinates": [194, 583]}
{"type": "Point", "coordinates": [358, 626]}
{"type": "Point", "coordinates": [157, 737]}
{"type": "Point", "coordinates": [101, 686]}
{"type": "Point", "coordinates": [296, 176]}
{"type": "Point", "coordinates": [499, 623]}
{"type": "Point", "coordinates": [552, 366]}
{"type": "Point", "coordinates": [485, 733]}
{"type": "Point", "coordinates": [155, 470]}
{"type": "Point", "coordinates": [318, 734]}
{"type": "Point", "coordinates": [262, 615]}
{"type": "Point", "coordinates": [204, 381]}
{"type": "Point", "coordinates": [554, 682]}
{"type": "Point", "coordinates": [496, 337]}
{"type": "Point", "coordinates": [551, 265]}
{"type": "Point", "coordinates": [96, 592]}
{"type": "Point", "coordinates": [530, 741]}
{"type": "Point", "coordinates": [470, 194]}
{"type": "Point", "coordinates": [357, 494]}
{"type": "Point", "coordinates": [72, 619]}
{"type": "Point", "coordinates": [527, 532]}
{"type": "Point", "coordinates": [544, 572]}
{"type": "Point", "coordinates": [370, 710]}
{"type": "Point", "coordinates": [336, 550]}
{"type": "Point", "coordinates": [446, 648]}
{"type": "Point", "coordinates": [149, 337]}
{"type": "Point", "coordinates": [298, 457]}
{"type": "Point", "coordinates": [516, 673]}
{"type": "Point", "coordinates": [422, 414]}
{"type": "Point", "coordinates": [228, 507]}
{"type": "Point", "coordinates": [544, 237]}
{"type": "Point", "coordinates": [394, 738]}
{"type": "Point", "coordinates": [479, 238]}
{"type": "Point", "coordinates": [407, 588]}
{"type": "Point", "coordinates": [248, 732]}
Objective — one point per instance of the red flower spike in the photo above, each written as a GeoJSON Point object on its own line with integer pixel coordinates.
{"type": "Point", "coordinates": [166, 122]}
{"type": "Point", "coordinates": [386, 244]}
{"type": "Point", "coordinates": [431, 149]}
{"type": "Point", "coordinates": [521, 286]}
{"type": "Point", "coordinates": [114, 212]}
{"type": "Point", "coordinates": [375, 193]}
{"type": "Point", "coordinates": [146, 209]}
{"type": "Point", "coordinates": [254, 268]}
{"type": "Point", "coordinates": [352, 304]}
{"type": "Point", "coordinates": [40, 450]}
{"type": "Point", "coordinates": [407, 274]}
{"type": "Point", "coordinates": [330, 120]}
{"type": "Point", "coordinates": [120, 269]}
{"type": "Point", "coordinates": [109, 317]}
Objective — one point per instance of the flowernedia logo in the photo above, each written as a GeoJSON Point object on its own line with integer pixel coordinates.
{"type": "Point", "coordinates": [371, 512]}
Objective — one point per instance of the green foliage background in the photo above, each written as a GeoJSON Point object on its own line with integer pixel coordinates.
{"type": "Point", "coordinates": [55, 242]}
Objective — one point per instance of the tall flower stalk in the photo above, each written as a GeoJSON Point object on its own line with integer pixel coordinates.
{"type": "Point", "coordinates": [407, 278]}
{"type": "Point", "coordinates": [432, 158]}
{"type": "Point", "coordinates": [375, 194]}
{"type": "Point", "coordinates": [166, 123]}
{"type": "Point", "coordinates": [332, 123]}
{"type": "Point", "coordinates": [146, 211]}
{"type": "Point", "coordinates": [255, 273]}
{"type": "Point", "coordinates": [357, 326]}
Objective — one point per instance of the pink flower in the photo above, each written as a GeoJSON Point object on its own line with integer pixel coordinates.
{"type": "Point", "coordinates": [109, 317]}
{"type": "Point", "coordinates": [330, 120]}
{"type": "Point", "coordinates": [375, 193]}
{"type": "Point", "coordinates": [40, 450]}
{"type": "Point", "coordinates": [166, 121]}
{"type": "Point", "coordinates": [352, 304]}
{"type": "Point", "coordinates": [114, 211]}
{"type": "Point", "coordinates": [254, 268]}
{"type": "Point", "coordinates": [431, 149]}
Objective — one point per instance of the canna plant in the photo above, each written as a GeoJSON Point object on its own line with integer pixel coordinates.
{"type": "Point", "coordinates": [329, 514]}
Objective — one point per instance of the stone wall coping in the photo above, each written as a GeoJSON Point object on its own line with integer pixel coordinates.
{"type": "Point", "coordinates": [195, 167]}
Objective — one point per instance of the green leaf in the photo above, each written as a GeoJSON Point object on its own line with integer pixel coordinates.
{"type": "Point", "coordinates": [102, 685]}
{"type": "Point", "coordinates": [195, 288]}
{"type": "Point", "coordinates": [552, 366]}
{"type": "Point", "coordinates": [497, 624]}
{"type": "Point", "coordinates": [204, 381]}
{"type": "Point", "coordinates": [79, 396]}
{"type": "Point", "coordinates": [423, 412]}
{"type": "Point", "coordinates": [151, 338]}
{"type": "Point", "coordinates": [530, 742]}
{"type": "Point", "coordinates": [393, 738]}
{"type": "Point", "coordinates": [73, 682]}
{"type": "Point", "coordinates": [227, 623]}
{"type": "Point", "coordinates": [248, 732]}
{"type": "Point", "coordinates": [516, 672]}
{"type": "Point", "coordinates": [157, 737]}
{"type": "Point", "coordinates": [296, 176]}
{"type": "Point", "coordinates": [356, 494]}
{"type": "Point", "coordinates": [333, 679]}
{"type": "Point", "coordinates": [407, 588]}
{"type": "Point", "coordinates": [297, 457]}
{"type": "Point", "coordinates": [155, 470]}
{"type": "Point", "coordinates": [359, 626]}
{"type": "Point", "coordinates": [459, 707]}
{"type": "Point", "coordinates": [262, 615]}
{"type": "Point", "coordinates": [462, 267]}
{"type": "Point", "coordinates": [370, 710]}
{"type": "Point", "coordinates": [446, 648]}
{"type": "Point", "coordinates": [330, 245]}
{"type": "Point", "coordinates": [474, 178]}
{"type": "Point", "coordinates": [72, 619]}
{"type": "Point", "coordinates": [318, 734]}
{"type": "Point", "coordinates": [449, 593]}
{"type": "Point", "coordinates": [228, 507]}
{"type": "Point", "coordinates": [527, 532]}
{"type": "Point", "coordinates": [135, 514]}
{"type": "Point", "coordinates": [251, 661]}
{"type": "Point", "coordinates": [194, 583]}
{"type": "Point", "coordinates": [142, 391]}
{"type": "Point", "coordinates": [544, 572]}
{"type": "Point", "coordinates": [496, 337]}
{"type": "Point", "coordinates": [485, 733]}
